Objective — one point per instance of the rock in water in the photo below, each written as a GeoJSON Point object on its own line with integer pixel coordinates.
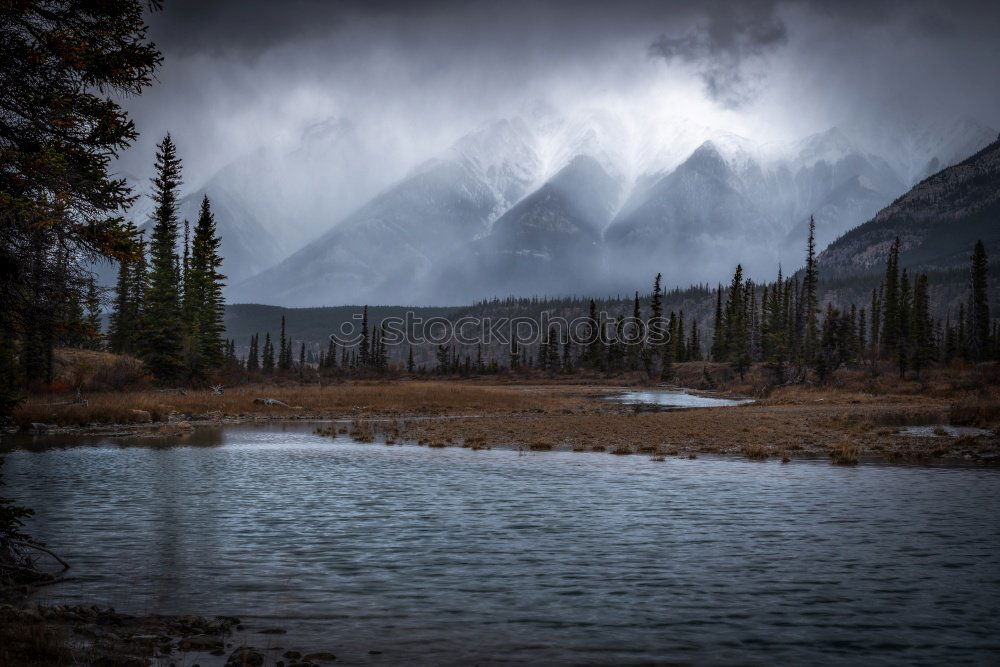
{"type": "Point", "coordinates": [245, 656]}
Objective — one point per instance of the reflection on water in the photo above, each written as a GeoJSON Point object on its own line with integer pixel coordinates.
{"type": "Point", "coordinates": [675, 399]}
{"type": "Point", "coordinates": [459, 556]}
{"type": "Point", "coordinates": [942, 430]}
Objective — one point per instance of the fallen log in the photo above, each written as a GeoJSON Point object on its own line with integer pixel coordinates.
{"type": "Point", "coordinates": [19, 570]}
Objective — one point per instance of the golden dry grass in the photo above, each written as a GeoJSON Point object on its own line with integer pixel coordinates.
{"type": "Point", "coordinates": [359, 398]}
{"type": "Point", "coordinates": [542, 415]}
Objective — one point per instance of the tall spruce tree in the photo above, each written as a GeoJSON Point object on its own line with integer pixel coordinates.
{"type": "Point", "coordinates": [922, 329]}
{"type": "Point", "coordinates": [203, 293]}
{"type": "Point", "coordinates": [163, 334]}
{"type": "Point", "coordinates": [810, 290]}
{"type": "Point", "coordinates": [64, 69]}
{"type": "Point", "coordinates": [736, 331]}
{"type": "Point", "coordinates": [636, 337]}
{"type": "Point", "coordinates": [979, 307]}
{"type": "Point", "coordinates": [694, 343]}
{"type": "Point", "coordinates": [904, 340]}
{"type": "Point", "coordinates": [284, 352]}
{"type": "Point", "coordinates": [890, 302]}
{"type": "Point", "coordinates": [668, 348]}
{"type": "Point", "coordinates": [364, 351]}
{"type": "Point", "coordinates": [657, 325]}
{"type": "Point", "coordinates": [595, 339]}
{"type": "Point", "coordinates": [267, 363]}
{"type": "Point", "coordinates": [718, 329]}
{"type": "Point", "coordinates": [253, 356]}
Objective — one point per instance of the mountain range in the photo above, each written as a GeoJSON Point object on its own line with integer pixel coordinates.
{"type": "Point", "coordinates": [567, 205]}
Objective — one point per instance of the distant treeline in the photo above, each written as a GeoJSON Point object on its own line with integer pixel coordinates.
{"type": "Point", "coordinates": [779, 323]}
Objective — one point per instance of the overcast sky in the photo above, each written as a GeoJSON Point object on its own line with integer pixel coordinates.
{"type": "Point", "coordinates": [240, 74]}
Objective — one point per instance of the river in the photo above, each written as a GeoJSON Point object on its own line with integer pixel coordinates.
{"type": "Point", "coordinates": [456, 556]}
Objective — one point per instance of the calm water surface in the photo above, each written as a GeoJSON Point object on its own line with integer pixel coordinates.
{"type": "Point", "coordinates": [675, 399]}
{"type": "Point", "coordinates": [457, 556]}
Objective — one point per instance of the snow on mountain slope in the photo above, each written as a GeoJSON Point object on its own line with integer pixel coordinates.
{"type": "Point", "coordinates": [598, 201]}
{"type": "Point", "coordinates": [550, 240]}
{"type": "Point", "coordinates": [386, 248]}
{"type": "Point", "coordinates": [917, 150]}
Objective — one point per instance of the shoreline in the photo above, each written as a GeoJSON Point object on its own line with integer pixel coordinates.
{"type": "Point", "coordinates": [854, 416]}
{"type": "Point", "coordinates": [40, 635]}
{"type": "Point", "coordinates": [848, 426]}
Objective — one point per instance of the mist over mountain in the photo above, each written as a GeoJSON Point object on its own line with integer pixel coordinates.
{"type": "Point", "coordinates": [552, 205]}
{"type": "Point", "coordinates": [367, 137]}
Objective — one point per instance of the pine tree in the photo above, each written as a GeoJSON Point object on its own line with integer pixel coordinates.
{"type": "Point", "coordinates": [890, 302]}
{"type": "Point", "coordinates": [382, 351]}
{"type": "Point", "coordinates": [365, 349]}
{"type": "Point", "coordinates": [774, 342]}
{"type": "Point", "coordinates": [979, 308]}
{"type": "Point", "coordinates": [615, 351]}
{"type": "Point", "coordinates": [636, 336]}
{"type": "Point", "coordinates": [680, 346]}
{"type": "Point", "coordinates": [205, 306]}
{"type": "Point", "coordinates": [718, 336]}
{"type": "Point", "coordinates": [810, 288]}
{"type": "Point", "coordinates": [657, 325]}
{"type": "Point", "coordinates": [186, 301]}
{"type": "Point", "coordinates": [331, 355]}
{"type": "Point", "coordinates": [64, 69]}
{"type": "Point", "coordinates": [302, 358]}
{"type": "Point", "coordinates": [904, 339]}
{"type": "Point", "coordinates": [567, 354]}
{"type": "Point", "coordinates": [268, 362]}
{"type": "Point", "coordinates": [93, 321]}
{"type": "Point", "coordinates": [736, 330]}
{"type": "Point", "coordinates": [667, 349]}
{"type": "Point", "coordinates": [162, 331]}
{"type": "Point", "coordinates": [694, 343]}
{"type": "Point", "coordinates": [253, 356]}
{"type": "Point", "coordinates": [121, 324]}
{"type": "Point", "coordinates": [875, 327]}
{"type": "Point", "coordinates": [862, 335]}
{"type": "Point", "coordinates": [409, 361]}
{"type": "Point", "coordinates": [284, 358]}
{"type": "Point", "coordinates": [922, 327]}
{"type": "Point", "coordinates": [595, 341]}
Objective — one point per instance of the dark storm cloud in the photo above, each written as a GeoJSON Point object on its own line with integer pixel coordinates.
{"type": "Point", "coordinates": [720, 46]}
{"type": "Point", "coordinates": [411, 77]}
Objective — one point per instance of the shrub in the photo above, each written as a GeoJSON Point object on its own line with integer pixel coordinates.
{"type": "Point", "coordinates": [975, 412]}
{"type": "Point", "coordinates": [121, 374]}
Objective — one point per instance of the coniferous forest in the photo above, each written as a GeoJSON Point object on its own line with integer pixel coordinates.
{"type": "Point", "coordinates": [652, 439]}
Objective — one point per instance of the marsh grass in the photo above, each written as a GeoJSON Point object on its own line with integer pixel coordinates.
{"type": "Point", "coordinates": [358, 399]}
{"type": "Point", "coordinates": [847, 452]}
{"type": "Point", "coordinates": [362, 431]}
{"type": "Point", "coordinates": [755, 451]}
{"type": "Point", "coordinates": [980, 410]}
